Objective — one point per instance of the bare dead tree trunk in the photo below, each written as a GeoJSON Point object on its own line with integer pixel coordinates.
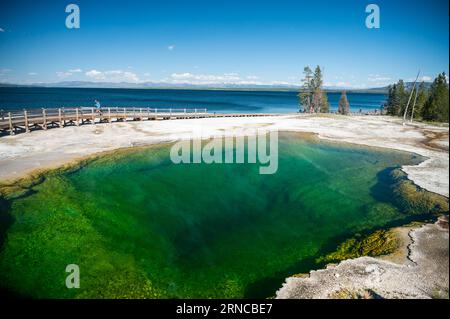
{"type": "Point", "coordinates": [409, 100]}
{"type": "Point", "coordinates": [414, 105]}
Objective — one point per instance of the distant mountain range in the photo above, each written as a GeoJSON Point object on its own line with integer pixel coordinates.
{"type": "Point", "coordinates": [161, 85]}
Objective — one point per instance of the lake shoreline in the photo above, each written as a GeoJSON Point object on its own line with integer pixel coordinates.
{"type": "Point", "coordinates": [215, 100]}
{"type": "Point", "coordinates": [29, 154]}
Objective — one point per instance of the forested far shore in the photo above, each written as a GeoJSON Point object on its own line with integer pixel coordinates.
{"type": "Point", "coordinates": [429, 104]}
{"type": "Point", "coordinates": [413, 102]}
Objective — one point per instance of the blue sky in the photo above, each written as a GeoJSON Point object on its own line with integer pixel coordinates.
{"type": "Point", "coordinates": [222, 41]}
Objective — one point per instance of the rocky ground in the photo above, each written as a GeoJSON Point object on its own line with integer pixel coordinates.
{"type": "Point", "coordinates": [420, 269]}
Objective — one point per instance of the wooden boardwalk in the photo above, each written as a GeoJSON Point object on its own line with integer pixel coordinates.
{"type": "Point", "coordinates": [12, 122]}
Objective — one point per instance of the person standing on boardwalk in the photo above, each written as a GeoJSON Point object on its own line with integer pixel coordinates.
{"type": "Point", "coordinates": [98, 106]}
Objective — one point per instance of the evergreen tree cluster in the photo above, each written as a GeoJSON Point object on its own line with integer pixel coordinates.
{"type": "Point", "coordinates": [312, 97]}
{"type": "Point", "coordinates": [428, 104]}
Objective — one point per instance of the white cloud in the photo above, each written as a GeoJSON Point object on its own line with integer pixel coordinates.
{"type": "Point", "coordinates": [171, 47]}
{"type": "Point", "coordinates": [190, 78]}
{"type": "Point", "coordinates": [112, 76]}
{"type": "Point", "coordinates": [32, 73]}
{"type": "Point", "coordinates": [66, 74]}
{"type": "Point", "coordinates": [182, 76]}
{"type": "Point", "coordinates": [279, 83]}
{"type": "Point", "coordinates": [345, 85]}
{"type": "Point", "coordinates": [378, 78]}
{"type": "Point", "coordinates": [425, 78]}
{"type": "Point", "coordinates": [4, 71]}
{"type": "Point", "coordinates": [231, 78]}
{"type": "Point", "coordinates": [96, 75]}
{"type": "Point", "coordinates": [63, 75]}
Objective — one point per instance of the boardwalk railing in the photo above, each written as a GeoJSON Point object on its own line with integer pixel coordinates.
{"type": "Point", "coordinates": [16, 121]}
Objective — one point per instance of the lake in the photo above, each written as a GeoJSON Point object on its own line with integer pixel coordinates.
{"type": "Point", "coordinates": [213, 100]}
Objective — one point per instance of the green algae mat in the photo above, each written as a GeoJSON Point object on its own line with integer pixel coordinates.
{"type": "Point", "coordinates": [139, 226]}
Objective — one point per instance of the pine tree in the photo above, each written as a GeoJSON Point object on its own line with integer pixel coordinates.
{"type": "Point", "coordinates": [325, 104]}
{"type": "Point", "coordinates": [397, 99]}
{"type": "Point", "coordinates": [422, 96]}
{"type": "Point", "coordinates": [401, 98]}
{"type": "Point", "coordinates": [318, 96]}
{"type": "Point", "coordinates": [305, 94]}
{"type": "Point", "coordinates": [390, 105]}
{"type": "Point", "coordinates": [436, 108]}
{"type": "Point", "coordinates": [317, 83]}
{"type": "Point", "coordinates": [317, 100]}
{"type": "Point", "coordinates": [343, 106]}
{"type": "Point", "coordinates": [317, 79]}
